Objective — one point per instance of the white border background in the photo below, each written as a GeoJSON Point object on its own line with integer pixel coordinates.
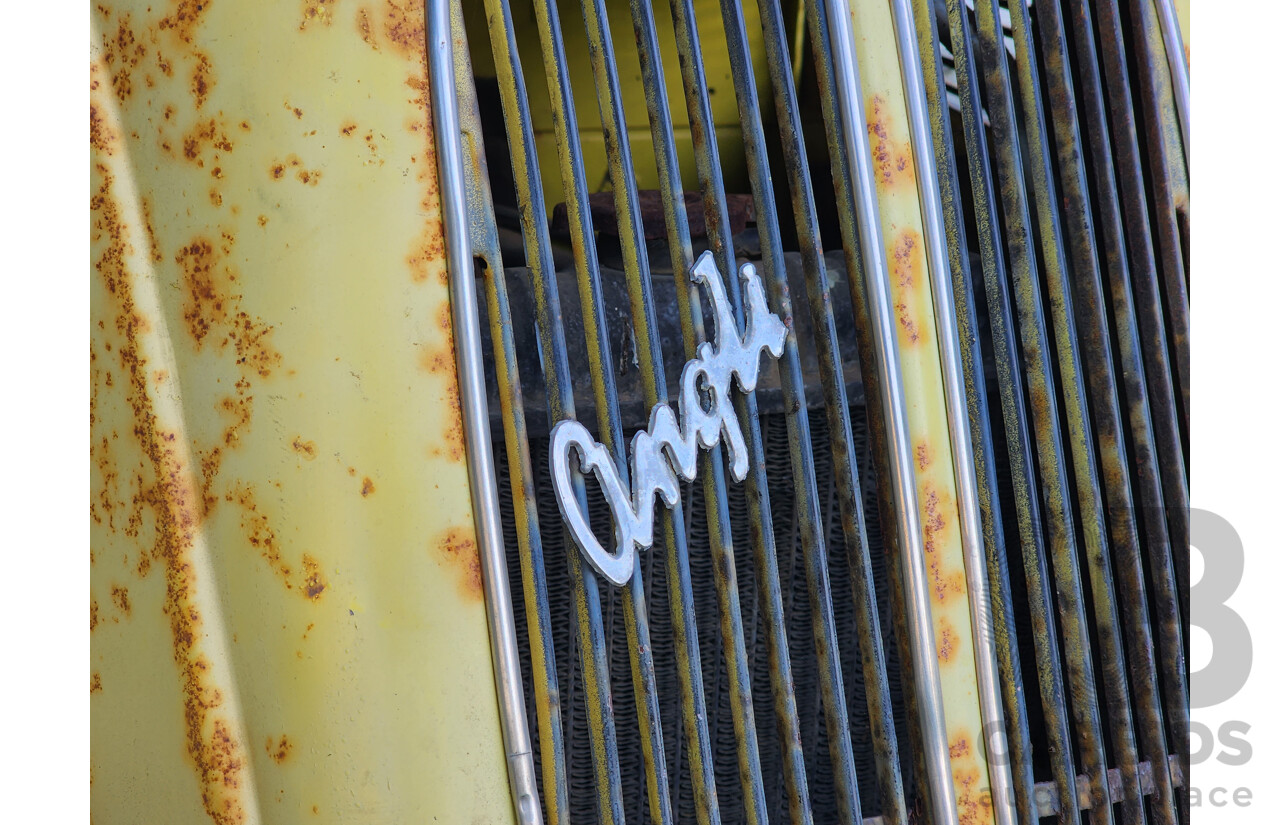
{"type": "Point", "coordinates": [1236, 301]}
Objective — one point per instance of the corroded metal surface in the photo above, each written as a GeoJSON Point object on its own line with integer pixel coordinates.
{"type": "Point", "coordinates": [848, 486]}
{"type": "Point", "coordinates": [282, 550]}
{"type": "Point", "coordinates": [1048, 440]}
{"type": "Point", "coordinates": [1009, 379]}
{"type": "Point", "coordinates": [1091, 322]}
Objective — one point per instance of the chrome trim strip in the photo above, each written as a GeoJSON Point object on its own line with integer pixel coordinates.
{"type": "Point", "coordinates": [944, 311]}
{"type": "Point", "coordinates": [1178, 70]}
{"type": "Point", "coordinates": [928, 684]}
{"type": "Point", "coordinates": [475, 417]}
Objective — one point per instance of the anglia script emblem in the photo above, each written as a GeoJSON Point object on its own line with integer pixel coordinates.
{"type": "Point", "coordinates": [669, 447]}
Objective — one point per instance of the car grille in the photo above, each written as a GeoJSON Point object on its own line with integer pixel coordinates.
{"type": "Point", "coordinates": [757, 666]}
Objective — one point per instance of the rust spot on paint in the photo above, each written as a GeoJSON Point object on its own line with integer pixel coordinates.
{"type": "Point", "coordinates": [436, 361]}
{"type": "Point", "coordinates": [935, 508]}
{"type": "Point", "coordinates": [201, 80]}
{"type": "Point", "coordinates": [120, 598]}
{"type": "Point", "coordinates": [313, 581]}
{"type": "Point", "coordinates": [348, 128]}
{"type": "Point", "coordinates": [152, 243]}
{"type": "Point", "coordinates": [279, 752]}
{"type": "Point", "coordinates": [890, 159]}
{"type": "Point", "coordinates": [307, 449]}
{"type": "Point", "coordinates": [947, 639]}
{"type": "Point", "coordinates": [93, 614]}
{"type": "Point", "coordinates": [458, 547]}
{"type": "Point", "coordinates": [262, 220]}
{"type": "Point", "coordinates": [101, 136]}
{"type": "Point", "coordinates": [973, 805]}
{"type": "Point", "coordinates": [403, 24]}
{"type": "Point", "coordinates": [364, 25]}
{"type": "Point", "coordinates": [959, 745]}
{"type": "Point", "coordinates": [95, 683]}
{"type": "Point", "coordinates": [426, 258]}
{"type": "Point", "coordinates": [366, 487]}
{"type": "Point", "coordinates": [204, 135]}
{"type": "Point", "coordinates": [923, 459]}
{"type": "Point", "coordinates": [277, 172]}
{"type": "Point", "coordinates": [906, 258]}
{"type": "Point", "coordinates": [215, 197]}
{"type": "Point", "coordinates": [183, 21]}
{"type": "Point", "coordinates": [206, 290]}
{"type": "Point", "coordinates": [261, 537]}
{"type": "Point", "coordinates": [316, 11]}
{"type": "Point", "coordinates": [910, 329]}
{"type": "Point", "coordinates": [904, 250]}
{"type": "Point", "coordinates": [169, 492]}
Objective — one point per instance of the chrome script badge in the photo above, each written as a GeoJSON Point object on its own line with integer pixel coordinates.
{"type": "Point", "coordinates": [669, 447]}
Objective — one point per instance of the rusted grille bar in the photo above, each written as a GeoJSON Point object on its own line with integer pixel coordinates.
{"type": "Point", "coordinates": [1156, 346]}
{"type": "Point", "coordinates": [609, 421]}
{"type": "Point", "coordinates": [764, 546]}
{"type": "Point", "coordinates": [1160, 549]}
{"type": "Point", "coordinates": [1091, 321]}
{"type": "Point", "coordinates": [555, 362]}
{"type": "Point", "coordinates": [485, 246]}
{"type": "Point", "coordinates": [1167, 175]}
{"type": "Point", "coordinates": [809, 517]}
{"type": "Point", "coordinates": [1044, 414]}
{"type": "Point", "coordinates": [1071, 376]}
{"type": "Point", "coordinates": [711, 466]}
{"type": "Point", "coordinates": [852, 512]}
{"type": "Point", "coordinates": [649, 352]}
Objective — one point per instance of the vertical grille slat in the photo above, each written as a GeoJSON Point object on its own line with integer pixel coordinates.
{"type": "Point", "coordinates": [609, 421]}
{"type": "Point", "coordinates": [848, 492]}
{"type": "Point", "coordinates": [638, 717]}
{"type": "Point", "coordinates": [1017, 431]}
{"type": "Point", "coordinates": [842, 177]}
{"type": "Point", "coordinates": [586, 595]}
{"type": "Point", "coordinates": [1157, 345]}
{"type": "Point", "coordinates": [522, 496]}
{"type": "Point", "coordinates": [1107, 625]}
{"type": "Point", "coordinates": [759, 515]}
{"type": "Point", "coordinates": [711, 465]}
{"type": "Point", "coordinates": [1092, 325]}
{"type": "Point", "coordinates": [1167, 176]}
{"type": "Point", "coordinates": [809, 518]}
{"type": "Point", "coordinates": [1159, 548]}
{"type": "Point", "coordinates": [1044, 414]}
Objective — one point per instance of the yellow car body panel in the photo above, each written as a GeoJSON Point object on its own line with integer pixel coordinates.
{"type": "Point", "coordinates": [287, 618]}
